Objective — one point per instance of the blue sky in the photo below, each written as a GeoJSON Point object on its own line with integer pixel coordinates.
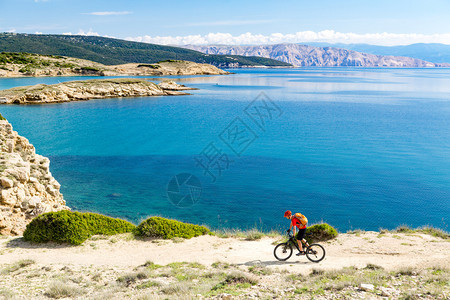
{"type": "Point", "coordinates": [235, 22]}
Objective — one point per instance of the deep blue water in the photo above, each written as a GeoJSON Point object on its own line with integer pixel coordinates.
{"type": "Point", "coordinates": [357, 148]}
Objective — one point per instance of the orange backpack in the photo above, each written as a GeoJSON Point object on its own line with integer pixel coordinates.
{"type": "Point", "coordinates": [301, 218]}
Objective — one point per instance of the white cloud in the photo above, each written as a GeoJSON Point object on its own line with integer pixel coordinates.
{"type": "Point", "coordinates": [82, 32]}
{"type": "Point", "coordinates": [108, 13]}
{"type": "Point", "coordinates": [330, 36]}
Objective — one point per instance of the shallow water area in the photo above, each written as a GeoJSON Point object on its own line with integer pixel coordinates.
{"type": "Point", "coordinates": [358, 148]}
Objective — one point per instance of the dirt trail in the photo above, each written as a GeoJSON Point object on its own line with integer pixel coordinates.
{"type": "Point", "coordinates": [388, 250]}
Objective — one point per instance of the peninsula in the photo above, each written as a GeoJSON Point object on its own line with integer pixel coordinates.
{"type": "Point", "coordinates": [89, 89]}
{"type": "Point", "coordinates": [14, 64]}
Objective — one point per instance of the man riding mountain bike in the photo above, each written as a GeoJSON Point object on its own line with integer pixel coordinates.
{"type": "Point", "coordinates": [298, 221]}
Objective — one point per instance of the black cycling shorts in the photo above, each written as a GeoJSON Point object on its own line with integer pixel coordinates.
{"type": "Point", "coordinates": [301, 234]}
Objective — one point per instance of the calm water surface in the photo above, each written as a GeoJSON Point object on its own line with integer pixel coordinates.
{"type": "Point", "coordinates": [357, 148]}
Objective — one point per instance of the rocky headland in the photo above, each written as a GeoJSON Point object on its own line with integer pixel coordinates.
{"type": "Point", "coordinates": [168, 67]}
{"type": "Point", "coordinates": [27, 186]}
{"type": "Point", "coordinates": [27, 64]}
{"type": "Point", "coordinates": [89, 89]}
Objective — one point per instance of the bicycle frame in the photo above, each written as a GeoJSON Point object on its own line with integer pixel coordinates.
{"type": "Point", "coordinates": [293, 240]}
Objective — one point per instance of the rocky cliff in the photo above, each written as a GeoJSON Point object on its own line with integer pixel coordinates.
{"type": "Point", "coordinates": [305, 56]}
{"type": "Point", "coordinates": [27, 186]}
{"type": "Point", "coordinates": [89, 89]}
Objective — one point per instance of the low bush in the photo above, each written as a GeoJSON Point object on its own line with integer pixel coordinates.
{"type": "Point", "coordinates": [320, 232]}
{"type": "Point", "coordinates": [158, 227]}
{"type": "Point", "coordinates": [149, 66]}
{"type": "Point", "coordinates": [73, 227]}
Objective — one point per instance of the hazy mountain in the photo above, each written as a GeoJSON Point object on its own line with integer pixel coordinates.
{"type": "Point", "coordinates": [114, 51]}
{"type": "Point", "coordinates": [437, 53]}
{"type": "Point", "coordinates": [302, 55]}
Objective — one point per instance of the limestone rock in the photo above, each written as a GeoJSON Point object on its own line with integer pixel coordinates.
{"type": "Point", "coordinates": [173, 86]}
{"type": "Point", "coordinates": [6, 182]}
{"type": "Point", "coordinates": [77, 91]}
{"type": "Point", "coordinates": [366, 287]}
{"type": "Point", "coordinates": [27, 187]}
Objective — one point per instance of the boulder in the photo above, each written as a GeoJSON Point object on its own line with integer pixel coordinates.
{"type": "Point", "coordinates": [6, 182]}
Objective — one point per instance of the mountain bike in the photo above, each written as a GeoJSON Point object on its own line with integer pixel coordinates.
{"type": "Point", "coordinates": [283, 251]}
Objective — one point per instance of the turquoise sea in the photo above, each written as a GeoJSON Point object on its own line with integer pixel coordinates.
{"type": "Point", "coordinates": [357, 148]}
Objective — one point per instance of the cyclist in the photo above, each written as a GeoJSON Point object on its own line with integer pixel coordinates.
{"type": "Point", "coordinates": [295, 222]}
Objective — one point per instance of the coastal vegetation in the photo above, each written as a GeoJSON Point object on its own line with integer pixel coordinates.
{"type": "Point", "coordinates": [157, 227]}
{"type": "Point", "coordinates": [320, 232]}
{"type": "Point", "coordinates": [114, 51]}
{"type": "Point", "coordinates": [73, 227]}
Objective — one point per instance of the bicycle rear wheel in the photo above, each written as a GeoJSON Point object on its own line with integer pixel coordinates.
{"type": "Point", "coordinates": [283, 251]}
{"type": "Point", "coordinates": [315, 252]}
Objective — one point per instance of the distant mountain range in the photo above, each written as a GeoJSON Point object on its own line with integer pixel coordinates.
{"type": "Point", "coordinates": [303, 55]}
{"type": "Point", "coordinates": [110, 51]}
{"type": "Point", "coordinates": [437, 53]}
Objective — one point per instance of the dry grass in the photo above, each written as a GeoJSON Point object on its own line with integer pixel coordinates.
{"type": "Point", "coordinates": [17, 266]}
{"type": "Point", "coordinates": [60, 289]}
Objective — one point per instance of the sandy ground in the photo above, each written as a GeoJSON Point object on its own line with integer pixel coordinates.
{"type": "Point", "coordinates": [389, 250]}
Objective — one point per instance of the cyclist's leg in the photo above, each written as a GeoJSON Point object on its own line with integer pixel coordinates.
{"type": "Point", "coordinates": [300, 238]}
{"type": "Point", "coordinates": [305, 242]}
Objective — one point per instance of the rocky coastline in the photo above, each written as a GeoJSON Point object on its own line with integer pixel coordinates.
{"type": "Point", "coordinates": [89, 89]}
{"type": "Point", "coordinates": [35, 65]}
{"type": "Point", "coordinates": [27, 186]}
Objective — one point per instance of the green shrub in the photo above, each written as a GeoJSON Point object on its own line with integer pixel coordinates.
{"type": "Point", "coordinates": [158, 227]}
{"type": "Point", "coordinates": [170, 60]}
{"type": "Point", "coordinates": [149, 66]}
{"type": "Point", "coordinates": [73, 227]}
{"type": "Point", "coordinates": [2, 117]}
{"type": "Point", "coordinates": [320, 232]}
{"type": "Point", "coordinates": [90, 69]}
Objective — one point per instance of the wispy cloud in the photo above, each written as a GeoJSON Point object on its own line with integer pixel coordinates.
{"type": "Point", "coordinates": [329, 36]}
{"type": "Point", "coordinates": [108, 13]}
{"type": "Point", "coordinates": [231, 23]}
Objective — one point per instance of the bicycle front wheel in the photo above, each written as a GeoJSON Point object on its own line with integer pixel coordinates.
{"type": "Point", "coordinates": [315, 252]}
{"type": "Point", "coordinates": [283, 251]}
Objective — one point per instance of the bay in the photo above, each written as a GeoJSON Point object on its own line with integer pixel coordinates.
{"type": "Point", "coordinates": [357, 148]}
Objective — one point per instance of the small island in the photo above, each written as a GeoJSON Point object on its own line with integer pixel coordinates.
{"type": "Point", "coordinates": [89, 89]}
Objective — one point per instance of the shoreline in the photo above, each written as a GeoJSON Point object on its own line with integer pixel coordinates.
{"type": "Point", "coordinates": [90, 89]}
